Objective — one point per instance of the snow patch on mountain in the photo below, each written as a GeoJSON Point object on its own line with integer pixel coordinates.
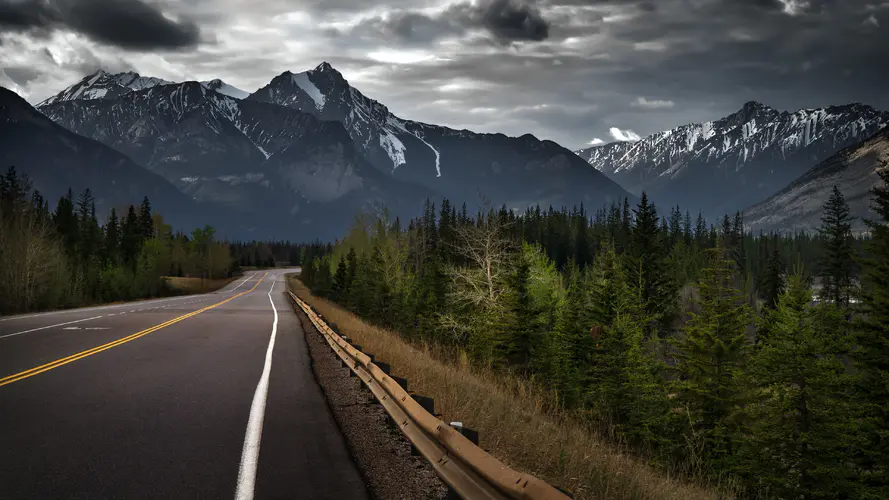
{"type": "Point", "coordinates": [218, 85]}
{"type": "Point", "coordinates": [303, 82]}
{"type": "Point", "coordinates": [394, 148]}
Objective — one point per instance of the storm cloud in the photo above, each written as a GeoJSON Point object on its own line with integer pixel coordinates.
{"type": "Point", "coordinates": [128, 24]}
{"type": "Point", "coordinates": [566, 70]}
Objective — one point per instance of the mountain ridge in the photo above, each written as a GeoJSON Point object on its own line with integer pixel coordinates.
{"type": "Point", "coordinates": [728, 164]}
{"type": "Point", "coordinates": [799, 205]}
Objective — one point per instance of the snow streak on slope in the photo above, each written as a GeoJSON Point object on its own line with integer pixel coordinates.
{"type": "Point", "coordinates": [394, 148]}
{"type": "Point", "coordinates": [302, 80]}
{"type": "Point", "coordinates": [225, 89]}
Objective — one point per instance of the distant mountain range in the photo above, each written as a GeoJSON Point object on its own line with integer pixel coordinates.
{"type": "Point", "coordinates": [56, 159]}
{"type": "Point", "coordinates": [729, 164]}
{"type": "Point", "coordinates": [799, 205]}
{"type": "Point", "coordinates": [301, 155]}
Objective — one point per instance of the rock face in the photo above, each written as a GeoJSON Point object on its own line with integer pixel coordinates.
{"type": "Point", "coordinates": [458, 164]}
{"type": "Point", "coordinates": [799, 205]}
{"type": "Point", "coordinates": [56, 159]}
{"type": "Point", "coordinates": [728, 164]}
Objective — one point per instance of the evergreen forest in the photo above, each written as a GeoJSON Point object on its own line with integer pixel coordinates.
{"type": "Point", "coordinates": [758, 360]}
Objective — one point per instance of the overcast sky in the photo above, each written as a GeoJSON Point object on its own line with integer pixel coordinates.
{"type": "Point", "coordinates": [574, 71]}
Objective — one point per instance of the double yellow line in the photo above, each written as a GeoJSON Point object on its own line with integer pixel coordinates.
{"type": "Point", "coordinates": [104, 347]}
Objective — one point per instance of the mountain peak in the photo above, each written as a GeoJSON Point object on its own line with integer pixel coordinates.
{"type": "Point", "coordinates": [324, 66]}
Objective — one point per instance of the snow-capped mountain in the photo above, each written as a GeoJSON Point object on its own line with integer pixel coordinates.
{"type": "Point", "coordinates": [459, 164]}
{"type": "Point", "coordinates": [728, 164]}
{"type": "Point", "coordinates": [799, 205]}
{"type": "Point", "coordinates": [56, 159]}
{"type": "Point", "coordinates": [278, 169]}
{"type": "Point", "coordinates": [101, 85]}
{"type": "Point", "coordinates": [225, 89]}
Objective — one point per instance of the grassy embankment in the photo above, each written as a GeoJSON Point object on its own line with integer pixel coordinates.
{"type": "Point", "coordinates": [187, 286]}
{"type": "Point", "coordinates": [513, 418]}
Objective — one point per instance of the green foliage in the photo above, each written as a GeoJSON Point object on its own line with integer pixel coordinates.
{"type": "Point", "coordinates": [66, 258]}
{"type": "Point", "coordinates": [589, 305]}
{"type": "Point", "coordinates": [802, 419]}
{"type": "Point", "coordinates": [872, 356]}
{"type": "Point", "coordinates": [838, 259]}
{"type": "Point", "coordinates": [709, 356]}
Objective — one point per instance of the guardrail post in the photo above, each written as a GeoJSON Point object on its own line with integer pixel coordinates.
{"type": "Point", "coordinates": [428, 404]}
{"type": "Point", "coordinates": [386, 367]}
{"type": "Point", "coordinates": [468, 433]}
{"type": "Point", "coordinates": [472, 436]}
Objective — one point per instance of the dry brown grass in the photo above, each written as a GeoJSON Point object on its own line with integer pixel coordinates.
{"type": "Point", "coordinates": [196, 285]}
{"type": "Point", "coordinates": [513, 419]}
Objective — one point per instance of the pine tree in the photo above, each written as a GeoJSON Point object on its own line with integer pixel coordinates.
{"type": "Point", "coordinates": [146, 222]}
{"type": "Point", "coordinates": [773, 282]}
{"type": "Point", "coordinates": [341, 282]}
{"type": "Point", "coordinates": [872, 356]}
{"type": "Point", "coordinates": [65, 221]}
{"type": "Point", "coordinates": [709, 357]}
{"type": "Point", "coordinates": [131, 238]}
{"type": "Point", "coordinates": [648, 264]}
{"type": "Point", "coordinates": [802, 430]}
{"type": "Point", "coordinates": [521, 341]}
{"type": "Point", "coordinates": [838, 259]}
{"type": "Point", "coordinates": [112, 239]}
{"type": "Point", "coordinates": [573, 341]}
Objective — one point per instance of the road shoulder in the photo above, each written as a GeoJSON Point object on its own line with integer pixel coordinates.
{"type": "Point", "coordinates": [381, 451]}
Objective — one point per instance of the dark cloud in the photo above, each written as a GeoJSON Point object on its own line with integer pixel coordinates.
{"type": "Point", "coordinates": [511, 20]}
{"type": "Point", "coordinates": [21, 75]}
{"type": "Point", "coordinates": [128, 24]}
{"type": "Point", "coordinates": [507, 20]}
{"type": "Point", "coordinates": [584, 66]}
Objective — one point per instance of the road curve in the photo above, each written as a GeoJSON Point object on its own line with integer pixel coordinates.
{"type": "Point", "coordinates": [203, 396]}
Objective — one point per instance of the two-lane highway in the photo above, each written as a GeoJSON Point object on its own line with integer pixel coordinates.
{"type": "Point", "coordinates": [205, 396]}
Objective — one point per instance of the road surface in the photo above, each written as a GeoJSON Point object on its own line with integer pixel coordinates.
{"type": "Point", "coordinates": [204, 396]}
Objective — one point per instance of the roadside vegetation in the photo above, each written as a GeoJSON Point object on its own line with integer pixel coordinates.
{"type": "Point", "coordinates": [610, 353]}
{"type": "Point", "coordinates": [70, 256]}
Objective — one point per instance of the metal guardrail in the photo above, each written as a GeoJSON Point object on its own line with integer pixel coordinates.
{"type": "Point", "coordinates": [468, 470]}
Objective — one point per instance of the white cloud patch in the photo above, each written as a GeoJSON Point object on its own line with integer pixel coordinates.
{"type": "Point", "coordinates": [872, 21]}
{"type": "Point", "coordinates": [643, 103]}
{"type": "Point", "coordinates": [596, 142]}
{"type": "Point", "coordinates": [623, 135]}
{"type": "Point", "coordinates": [794, 7]}
{"type": "Point", "coordinates": [654, 46]}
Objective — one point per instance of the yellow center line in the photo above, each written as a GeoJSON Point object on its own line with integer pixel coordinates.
{"type": "Point", "coordinates": [104, 347]}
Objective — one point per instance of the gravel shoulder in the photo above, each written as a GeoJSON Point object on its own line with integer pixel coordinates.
{"type": "Point", "coordinates": [381, 451]}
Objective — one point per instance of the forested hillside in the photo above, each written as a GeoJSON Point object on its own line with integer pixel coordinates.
{"type": "Point", "coordinates": [71, 256]}
{"type": "Point", "coordinates": [705, 348]}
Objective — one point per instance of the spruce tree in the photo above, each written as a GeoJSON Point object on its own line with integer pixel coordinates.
{"type": "Point", "coordinates": [709, 357]}
{"type": "Point", "coordinates": [573, 342]}
{"type": "Point", "coordinates": [112, 239]}
{"type": "Point", "coordinates": [872, 356]}
{"type": "Point", "coordinates": [802, 430]}
{"type": "Point", "coordinates": [131, 238]}
{"type": "Point", "coordinates": [773, 282]}
{"type": "Point", "coordinates": [341, 282]}
{"type": "Point", "coordinates": [520, 343]}
{"type": "Point", "coordinates": [838, 258]}
{"type": "Point", "coordinates": [65, 221]}
{"type": "Point", "coordinates": [648, 264]}
{"type": "Point", "coordinates": [146, 222]}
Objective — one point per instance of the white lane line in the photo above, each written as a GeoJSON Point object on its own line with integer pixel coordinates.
{"type": "Point", "coordinates": [96, 308]}
{"type": "Point", "coordinates": [250, 453]}
{"type": "Point", "coordinates": [245, 281]}
{"type": "Point", "coordinates": [46, 327]}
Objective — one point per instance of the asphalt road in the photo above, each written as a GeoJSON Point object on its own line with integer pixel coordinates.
{"type": "Point", "coordinates": [204, 396]}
